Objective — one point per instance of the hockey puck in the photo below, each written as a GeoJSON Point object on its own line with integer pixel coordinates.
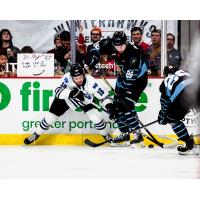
{"type": "Point", "coordinates": [151, 146]}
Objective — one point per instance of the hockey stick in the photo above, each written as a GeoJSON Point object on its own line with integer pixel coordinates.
{"type": "Point", "coordinates": [93, 144]}
{"type": "Point", "coordinates": [164, 146]}
{"type": "Point", "coordinates": [151, 138]}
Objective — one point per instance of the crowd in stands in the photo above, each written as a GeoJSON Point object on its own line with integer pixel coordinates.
{"type": "Point", "coordinates": [85, 54]}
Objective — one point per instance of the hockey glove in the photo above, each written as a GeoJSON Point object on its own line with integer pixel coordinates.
{"type": "Point", "coordinates": [94, 61]}
{"type": "Point", "coordinates": [162, 118]}
{"type": "Point", "coordinates": [94, 58]}
{"type": "Point", "coordinates": [106, 47]}
{"type": "Point", "coordinates": [75, 93]}
{"type": "Point", "coordinates": [125, 100]}
{"type": "Point", "coordinates": [112, 110]}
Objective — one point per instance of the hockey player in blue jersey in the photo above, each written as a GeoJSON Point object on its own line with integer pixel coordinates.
{"type": "Point", "coordinates": [76, 89]}
{"type": "Point", "coordinates": [131, 82]}
{"type": "Point", "coordinates": [176, 100]}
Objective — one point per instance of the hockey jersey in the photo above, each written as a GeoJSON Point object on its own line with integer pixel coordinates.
{"type": "Point", "coordinates": [91, 88]}
{"type": "Point", "coordinates": [132, 67]}
{"type": "Point", "coordinates": [172, 86]}
{"type": "Point", "coordinates": [130, 62]}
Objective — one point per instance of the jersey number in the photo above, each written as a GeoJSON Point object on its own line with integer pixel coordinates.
{"type": "Point", "coordinates": [169, 82]}
{"type": "Point", "coordinates": [100, 91]}
{"type": "Point", "coordinates": [129, 74]}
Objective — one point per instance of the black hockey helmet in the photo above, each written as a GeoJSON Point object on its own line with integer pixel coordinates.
{"type": "Point", "coordinates": [119, 38]}
{"type": "Point", "coordinates": [76, 70]}
{"type": "Point", "coordinates": [169, 70]}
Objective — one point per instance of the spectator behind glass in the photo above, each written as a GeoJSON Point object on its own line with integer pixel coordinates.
{"type": "Point", "coordinates": [63, 53]}
{"type": "Point", "coordinates": [5, 70]}
{"type": "Point", "coordinates": [57, 68]}
{"type": "Point", "coordinates": [3, 63]}
{"type": "Point", "coordinates": [136, 36]}
{"type": "Point", "coordinates": [95, 34]}
{"type": "Point", "coordinates": [57, 43]}
{"type": "Point", "coordinates": [173, 55]}
{"type": "Point", "coordinates": [154, 62]}
{"type": "Point", "coordinates": [81, 42]}
{"type": "Point", "coordinates": [27, 49]}
{"type": "Point", "coordinates": [7, 47]}
{"type": "Point", "coordinates": [92, 50]}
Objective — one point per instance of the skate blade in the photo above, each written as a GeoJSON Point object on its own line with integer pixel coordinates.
{"type": "Point", "coordinates": [26, 145]}
{"type": "Point", "coordinates": [191, 152]}
{"type": "Point", "coordinates": [138, 145]}
{"type": "Point", "coordinates": [121, 144]}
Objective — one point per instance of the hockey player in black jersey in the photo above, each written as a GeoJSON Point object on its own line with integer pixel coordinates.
{"type": "Point", "coordinates": [176, 100]}
{"type": "Point", "coordinates": [76, 89]}
{"type": "Point", "coordinates": [131, 82]}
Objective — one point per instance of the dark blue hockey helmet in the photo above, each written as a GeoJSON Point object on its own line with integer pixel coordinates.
{"type": "Point", "coordinates": [119, 38]}
{"type": "Point", "coordinates": [169, 70]}
{"type": "Point", "coordinates": [76, 70]}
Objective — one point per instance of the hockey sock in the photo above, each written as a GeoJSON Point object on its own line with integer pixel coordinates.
{"type": "Point", "coordinates": [98, 121]}
{"type": "Point", "coordinates": [180, 130]}
{"type": "Point", "coordinates": [101, 127]}
{"type": "Point", "coordinates": [46, 122]}
{"type": "Point", "coordinates": [121, 120]}
{"type": "Point", "coordinates": [132, 119]}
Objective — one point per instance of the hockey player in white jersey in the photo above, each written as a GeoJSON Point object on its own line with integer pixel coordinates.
{"type": "Point", "coordinates": [176, 100]}
{"type": "Point", "coordinates": [77, 89]}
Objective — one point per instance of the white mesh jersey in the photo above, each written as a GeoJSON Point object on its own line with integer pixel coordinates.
{"type": "Point", "coordinates": [92, 88]}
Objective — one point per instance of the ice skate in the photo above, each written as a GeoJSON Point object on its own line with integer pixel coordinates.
{"type": "Point", "coordinates": [138, 141]}
{"type": "Point", "coordinates": [121, 140]}
{"type": "Point", "coordinates": [188, 148]}
{"type": "Point", "coordinates": [31, 138]}
{"type": "Point", "coordinates": [107, 137]}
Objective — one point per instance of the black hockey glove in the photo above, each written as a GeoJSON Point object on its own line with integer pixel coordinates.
{"type": "Point", "coordinates": [94, 59]}
{"type": "Point", "coordinates": [75, 93]}
{"type": "Point", "coordinates": [112, 110]}
{"type": "Point", "coordinates": [106, 47]}
{"type": "Point", "coordinates": [93, 63]}
{"type": "Point", "coordinates": [162, 118]}
{"type": "Point", "coordinates": [125, 100]}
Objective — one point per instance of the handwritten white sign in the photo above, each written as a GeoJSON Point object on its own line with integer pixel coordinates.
{"type": "Point", "coordinates": [35, 65]}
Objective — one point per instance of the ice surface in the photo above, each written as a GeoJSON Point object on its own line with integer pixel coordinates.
{"type": "Point", "coordinates": [102, 162]}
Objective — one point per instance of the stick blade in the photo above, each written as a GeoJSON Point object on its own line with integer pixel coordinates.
{"type": "Point", "coordinates": [92, 144]}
